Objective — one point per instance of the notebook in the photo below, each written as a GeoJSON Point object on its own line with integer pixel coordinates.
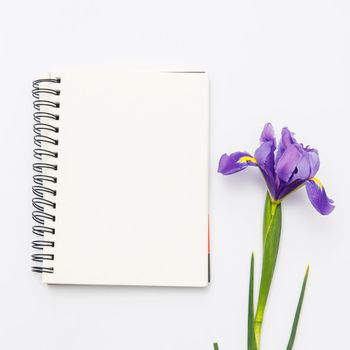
{"type": "Point", "coordinates": [121, 178]}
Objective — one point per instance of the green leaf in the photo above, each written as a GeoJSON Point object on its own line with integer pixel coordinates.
{"type": "Point", "coordinates": [297, 313]}
{"type": "Point", "coordinates": [251, 332]}
{"type": "Point", "coordinates": [271, 238]}
{"type": "Point", "coordinates": [267, 216]}
{"type": "Point", "coordinates": [216, 346]}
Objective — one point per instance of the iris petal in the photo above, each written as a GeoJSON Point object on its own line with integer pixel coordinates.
{"type": "Point", "coordinates": [288, 162]}
{"type": "Point", "coordinates": [308, 165]}
{"type": "Point", "coordinates": [287, 139]}
{"type": "Point", "coordinates": [265, 155]}
{"type": "Point", "coordinates": [268, 134]}
{"type": "Point", "coordinates": [318, 196]}
{"type": "Point", "coordinates": [287, 188]}
{"type": "Point", "coordinates": [230, 164]}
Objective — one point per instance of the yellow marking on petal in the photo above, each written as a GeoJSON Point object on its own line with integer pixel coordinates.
{"type": "Point", "coordinates": [246, 159]}
{"type": "Point", "coordinates": [317, 181]}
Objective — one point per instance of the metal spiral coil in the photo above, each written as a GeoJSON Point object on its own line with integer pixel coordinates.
{"type": "Point", "coordinates": [45, 112]}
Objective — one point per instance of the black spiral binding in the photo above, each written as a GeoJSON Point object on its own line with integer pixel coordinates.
{"type": "Point", "coordinates": [46, 113]}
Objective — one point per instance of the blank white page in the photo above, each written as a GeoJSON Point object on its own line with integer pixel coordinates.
{"type": "Point", "coordinates": [132, 179]}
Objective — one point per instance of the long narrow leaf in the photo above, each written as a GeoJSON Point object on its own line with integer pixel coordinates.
{"type": "Point", "coordinates": [271, 239]}
{"type": "Point", "coordinates": [267, 217]}
{"type": "Point", "coordinates": [297, 313]}
{"type": "Point", "coordinates": [216, 346]}
{"type": "Point", "coordinates": [251, 332]}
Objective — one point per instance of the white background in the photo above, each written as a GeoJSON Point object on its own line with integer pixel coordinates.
{"type": "Point", "coordinates": [281, 61]}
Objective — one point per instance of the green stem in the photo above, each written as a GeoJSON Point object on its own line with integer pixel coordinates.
{"type": "Point", "coordinates": [271, 239]}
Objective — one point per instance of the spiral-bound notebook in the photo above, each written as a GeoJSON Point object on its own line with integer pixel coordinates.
{"type": "Point", "coordinates": [121, 178]}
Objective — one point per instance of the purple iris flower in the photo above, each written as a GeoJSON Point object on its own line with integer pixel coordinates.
{"type": "Point", "coordinates": [285, 169]}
